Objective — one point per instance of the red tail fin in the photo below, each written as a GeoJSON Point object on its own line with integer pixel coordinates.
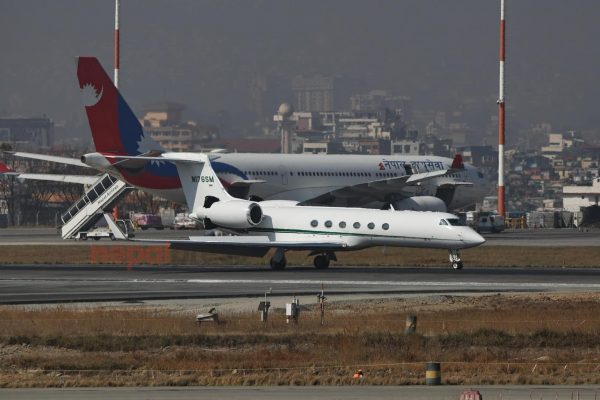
{"type": "Point", "coordinates": [114, 126]}
{"type": "Point", "coordinates": [457, 162]}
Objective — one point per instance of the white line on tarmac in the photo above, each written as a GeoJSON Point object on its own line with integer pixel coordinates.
{"type": "Point", "coordinates": [307, 282]}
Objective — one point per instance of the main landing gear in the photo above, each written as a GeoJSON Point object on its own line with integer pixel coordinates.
{"type": "Point", "coordinates": [321, 260]}
{"type": "Point", "coordinates": [454, 256]}
{"type": "Point", "coordinates": [278, 260]}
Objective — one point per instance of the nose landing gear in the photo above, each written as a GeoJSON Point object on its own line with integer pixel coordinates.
{"type": "Point", "coordinates": [454, 256]}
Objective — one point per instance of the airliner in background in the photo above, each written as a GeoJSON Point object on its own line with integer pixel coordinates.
{"type": "Point", "coordinates": [422, 183]}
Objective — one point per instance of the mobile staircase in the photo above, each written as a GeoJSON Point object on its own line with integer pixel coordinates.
{"type": "Point", "coordinates": [91, 207]}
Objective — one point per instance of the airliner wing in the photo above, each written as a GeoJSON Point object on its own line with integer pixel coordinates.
{"type": "Point", "coordinates": [376, 190]}
{"type": "Point", "coordinates": [255, 246]}
{"type": "Point", "coordinates": [82, 179]}
{"type": "Point", "coordinates": [45, 157]}
{"type": "Point", "coordinates": [380, 189]}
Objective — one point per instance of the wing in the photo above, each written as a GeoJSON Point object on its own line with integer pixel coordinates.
{"type": "Point", "coordinates": [255, 246]}
{"type": "Point", "coordinates": [82, 179]}
{"type": "Point", "coordinates": [379, 190]}
{"type": "Point", "coordinates": [45, 157]}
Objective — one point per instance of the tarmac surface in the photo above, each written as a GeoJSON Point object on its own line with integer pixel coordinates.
{"type": "Point", "coordinates": [307, 393]}
{"type": "Point", "coordinates": [72, 283]}
{"type": "Point", "coordinates": [530, 237]}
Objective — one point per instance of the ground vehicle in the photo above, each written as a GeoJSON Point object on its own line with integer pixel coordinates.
{"type": "Point", "coordinates": [490, 223]}
{"type": "Point", "coordinates": [183, 221]}
{"type": "Point", "coordinates": [145, 221]}
{"type": "Point", "coordinates": [105, 231]}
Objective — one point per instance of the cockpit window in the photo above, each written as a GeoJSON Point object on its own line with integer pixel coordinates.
{"type": "Point", "coordinates": [455, 222]}
{"type": "Point", "coordinates": [443, 222]}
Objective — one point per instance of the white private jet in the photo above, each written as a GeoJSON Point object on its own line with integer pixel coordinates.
{"type": "Point", "coordinates": [284, 225]}
{"type": "Point", "coordinates": [405, 182]}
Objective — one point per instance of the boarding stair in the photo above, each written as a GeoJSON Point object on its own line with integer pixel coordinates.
{"type": "Point", "coordinates": [90, 208]}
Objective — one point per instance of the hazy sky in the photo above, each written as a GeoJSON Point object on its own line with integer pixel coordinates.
{"type": "Point", "coordinates": [204, 53]}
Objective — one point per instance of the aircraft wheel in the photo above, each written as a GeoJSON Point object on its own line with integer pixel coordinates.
{"type": "Point", "coordinates": [321, 262]}
{"type": "Point", "coordinates": [97, 238]}
{"type": "Point", "coordinates": [278, 265]}
{"type": "Point", "coordinates": [457, 265]}
{"type": "Point", "coordinates": [112, 237]}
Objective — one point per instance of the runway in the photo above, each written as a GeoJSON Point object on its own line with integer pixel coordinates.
{"type": "Point", "coordinates": [513, 392]}
{"type": "Point", "coordinates": [65, 283]}
{"type": "Point", "coordinates": [540, 237]}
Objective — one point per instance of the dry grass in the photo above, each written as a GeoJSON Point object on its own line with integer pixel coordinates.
{"type": "Point", "coordinates": [487, 256]}
{"type": "Point", "coordinates": [492, 339]}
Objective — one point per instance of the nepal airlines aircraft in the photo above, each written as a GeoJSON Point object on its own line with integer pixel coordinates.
{"type": "Point", "coordinates": [404, 182]}
{"type": "Point", "coordinates": [284, 225]}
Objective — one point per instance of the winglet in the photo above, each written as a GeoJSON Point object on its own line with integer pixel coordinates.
{"type": "Point", "coordinates": [457, 162]}
{"type": "Point", "coordinates": [5, 168]}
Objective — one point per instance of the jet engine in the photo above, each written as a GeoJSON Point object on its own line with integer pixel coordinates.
{"type": "Point", "coordinates": [234, 214]}
{"type": "Point", "coordinates": [95, 160]}
{"type": "Point", "coordinates": [421, 203]}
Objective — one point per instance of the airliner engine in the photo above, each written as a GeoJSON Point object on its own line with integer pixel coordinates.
{"type": "Point", "coordinates": [421, 203]}
{"type": "Point", "coordinates": [234, 214]}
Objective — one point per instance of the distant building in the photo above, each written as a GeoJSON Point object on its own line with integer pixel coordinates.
{"type": "Point", "coordinates": [381, 99]}
{"type": "Point", "coordinates": [322, 93]}
{"type": "Point", "coordinates": [162, 121]}
{"type": "Point", "coordinates": [408, 147]}
{"type": "Point", "coordinates": [480, 156]}
{"type": "Point", "coordinates": [577, 197]}
{"type": "Point", "coordinates": [558, 142]}
{"type": "Point", "coordinates": [27, 133]}
{"type": "Point", "coordinates": [314, 93]}
{"type": "Point", "coordinates": [322, 148]}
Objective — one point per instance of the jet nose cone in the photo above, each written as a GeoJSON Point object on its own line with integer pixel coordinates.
{"type": "Point", "coordinates": [475, 239]}
{"type": "Point", "coordinates": [471, 238]}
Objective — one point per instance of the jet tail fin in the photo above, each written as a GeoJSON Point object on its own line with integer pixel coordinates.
{"type": "Point", "coordinates": [199, 181]}
{"type": "Point", "coordinates": [457, 162]}
{"type": "Point", "coordinates": [115, 128]}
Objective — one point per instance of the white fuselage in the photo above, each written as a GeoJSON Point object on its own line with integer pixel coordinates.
{"type": "Point", "coordinates": [361, 228]}
{"type": "Point", "coordinates": [302, 177]}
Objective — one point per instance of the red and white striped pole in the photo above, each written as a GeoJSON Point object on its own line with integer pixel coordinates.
{"type": "Point", "coordinates": [501, 116]}
{"type": "Point", "coordinates": [116, 80]}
